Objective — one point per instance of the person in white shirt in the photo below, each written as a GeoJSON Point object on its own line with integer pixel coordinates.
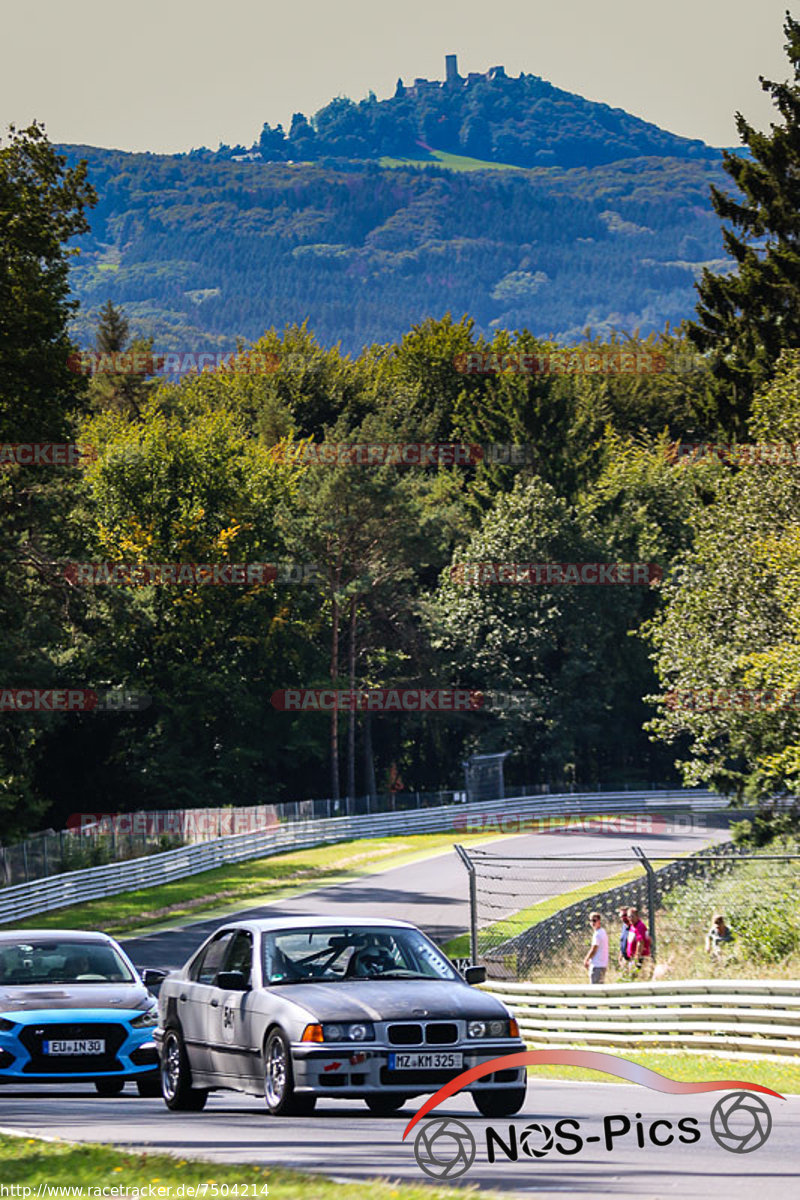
{"type": "Point", "coordinates": [597, 959]}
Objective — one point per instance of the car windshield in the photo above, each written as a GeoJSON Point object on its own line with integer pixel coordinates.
{"type": "Point", "coordinates": [352, 953]}
{"type": "Point", "coordinates": [27, 963]}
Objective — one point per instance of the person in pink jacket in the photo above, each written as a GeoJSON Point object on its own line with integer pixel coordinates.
{"type": "Point", "coordinates": [638, 940]}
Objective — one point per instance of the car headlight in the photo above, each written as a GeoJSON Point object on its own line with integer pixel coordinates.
{"type": "Point", "coordinates": [146, 1019]}
{"type": "Point", "coordinates": [5, 1025]}
{"type": "Point", "coordinates": [492, 1029]}
{"type": "Point", "coordinates": [358, 1031]}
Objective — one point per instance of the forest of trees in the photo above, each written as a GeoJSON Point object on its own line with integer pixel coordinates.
{"type": "Point", "coordinates": [200, 253]}
{"type": "Point", "coordinates": [186, 471]}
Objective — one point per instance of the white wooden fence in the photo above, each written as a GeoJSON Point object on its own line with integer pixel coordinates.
{"type": "Point", "coordinates": [739, 1016]}
{"type": "Point", "coordinates": [91, 883]}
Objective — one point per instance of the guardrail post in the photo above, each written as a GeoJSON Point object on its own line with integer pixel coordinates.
{"type": "Point", "coordinates": [651, 897]}
{"type": "Point", "coordinates": [473, 903]}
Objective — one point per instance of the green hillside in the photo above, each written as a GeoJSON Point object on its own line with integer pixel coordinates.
{"type": "Point", "coordinates": [200, 252]}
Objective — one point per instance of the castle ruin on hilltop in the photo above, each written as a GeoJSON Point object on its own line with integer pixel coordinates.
{"type": "Point", "coordinates": [452, 77]}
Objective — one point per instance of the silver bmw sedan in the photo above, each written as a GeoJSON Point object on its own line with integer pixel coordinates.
{"type": "Point", "coordinates": [300, 1008]}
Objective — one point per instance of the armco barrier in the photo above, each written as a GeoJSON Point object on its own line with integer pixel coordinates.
{"type": "Point", "coordinates": [92, 883]}
{"type": "Point", "coordinates": [751, 1017]}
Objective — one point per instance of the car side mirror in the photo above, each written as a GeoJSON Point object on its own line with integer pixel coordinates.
{"type": "Point", "coordinates": [153, 977]}
{"type": "Point", "coordinates": [475, 974]}
{"type": "Point", "coordinates": [232, 981]}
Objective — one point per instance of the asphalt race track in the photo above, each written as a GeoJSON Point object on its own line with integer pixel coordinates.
{"type": "Point", "coordinates": [432, 893]}
{"type": "Point", "coordinates": [343, 1140]}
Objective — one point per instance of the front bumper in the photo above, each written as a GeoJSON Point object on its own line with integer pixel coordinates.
{"type": "Point", "coordinates": [350, 1070]}
{"type": "Point", "coordinates": [129, 1053]}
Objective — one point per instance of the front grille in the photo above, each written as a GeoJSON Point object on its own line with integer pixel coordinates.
{"type": "Point", "coordinates": [144, 1056]}
{"type": "Point", "coordinates": [71, 1064]}
{"type": "Point", "coordinates": [405, 1035]}
{"type": "Point", "coordinates": [441, 1034]}
{"type": "Point", "coordinates": [436, 1077]}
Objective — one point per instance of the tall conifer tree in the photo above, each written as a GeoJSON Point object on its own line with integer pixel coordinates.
{"type": "Point", "coordinates": [748, 316]}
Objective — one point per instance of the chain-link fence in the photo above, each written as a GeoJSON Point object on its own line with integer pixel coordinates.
{"type": "Point", "coordinates": [93, 839]}
{"type": "Point", "coordinates": [528, 912]}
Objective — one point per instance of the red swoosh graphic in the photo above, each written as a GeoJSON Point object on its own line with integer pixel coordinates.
{"type": "Point", "coordinates": [595, 1060]}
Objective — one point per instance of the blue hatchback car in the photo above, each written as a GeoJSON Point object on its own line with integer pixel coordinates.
{"type": "Point", "coordinates": [73, 1009]}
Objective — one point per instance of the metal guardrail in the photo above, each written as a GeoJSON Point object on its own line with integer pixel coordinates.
{"type": "Point", "coordinates": [95, 839]}
{"type": "Point", "coordinates": [92, 883]}
{"type": "Point", "coordinates": [741, 1016]}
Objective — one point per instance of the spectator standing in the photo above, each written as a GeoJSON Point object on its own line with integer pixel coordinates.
{"type": "Point", "coordinates": [597, 959]}
{"type": "Point", "coordinates": [623, 938]}
{"type": "Point", "coordinates": [638, 939]}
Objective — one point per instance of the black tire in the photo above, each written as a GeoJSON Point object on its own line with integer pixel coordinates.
{"type": "Point", "coordinates": [150, 1086]}
{"type": "Point", "coordinates": [384, 1105]}
{"type": "Point", "coordinates": [109, 1087]}
{"type": "Point", "coordinates": [279, 1093]}
{"type": "Point", "coordinates": [500, 1102]}
{"type": "Point", "coordinates": [176, 1076]}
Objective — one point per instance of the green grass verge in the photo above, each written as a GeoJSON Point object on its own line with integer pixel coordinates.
{"type": "Point", "coordinates": [689, 1068]}
{"type": "Point", "coordinates": [28, 1162]}
{"type": "Point", "coordinates": [517, 923]}
{"type": "Point", "coordinates": [258, 881]}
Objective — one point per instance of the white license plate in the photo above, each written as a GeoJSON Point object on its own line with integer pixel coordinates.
{"type": "Point", "coordinates": [75, 1046]}
{"type": "Point", "coordinates": [437, 1061]}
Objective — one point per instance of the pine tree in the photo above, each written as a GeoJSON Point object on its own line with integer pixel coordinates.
{"type": "Point", "coordinates": [112, 329]}
{"type": "Point", "coordinates": [119, 391]}
{"type": "Point", "coordinates": [748, 316]}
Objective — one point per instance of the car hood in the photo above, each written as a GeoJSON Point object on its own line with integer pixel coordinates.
{"type": "Point", "coordinates": [114, 996]}
{"type": "Point", "coordinates": [392, 1000]}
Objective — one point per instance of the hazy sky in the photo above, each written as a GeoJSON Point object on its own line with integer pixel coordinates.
{"type": "Point", "coordinates": [167, 75]}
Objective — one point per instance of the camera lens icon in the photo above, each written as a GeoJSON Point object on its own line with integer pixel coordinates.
{"type": "Point", "coordinates": [536, 1140]}
{"type": "Point", "coordinates": [444, 1148]}
{"type": "Point", "coordinates": [741, 1122]}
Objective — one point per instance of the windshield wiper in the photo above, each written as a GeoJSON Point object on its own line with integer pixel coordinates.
{"type": "Point", "coordinates": [306, 979]}
{"type": "Point", "coordinates": [395, 975]}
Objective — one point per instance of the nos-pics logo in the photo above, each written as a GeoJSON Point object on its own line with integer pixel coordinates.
{"type": "Point", "coordinates": [446, 1148]}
